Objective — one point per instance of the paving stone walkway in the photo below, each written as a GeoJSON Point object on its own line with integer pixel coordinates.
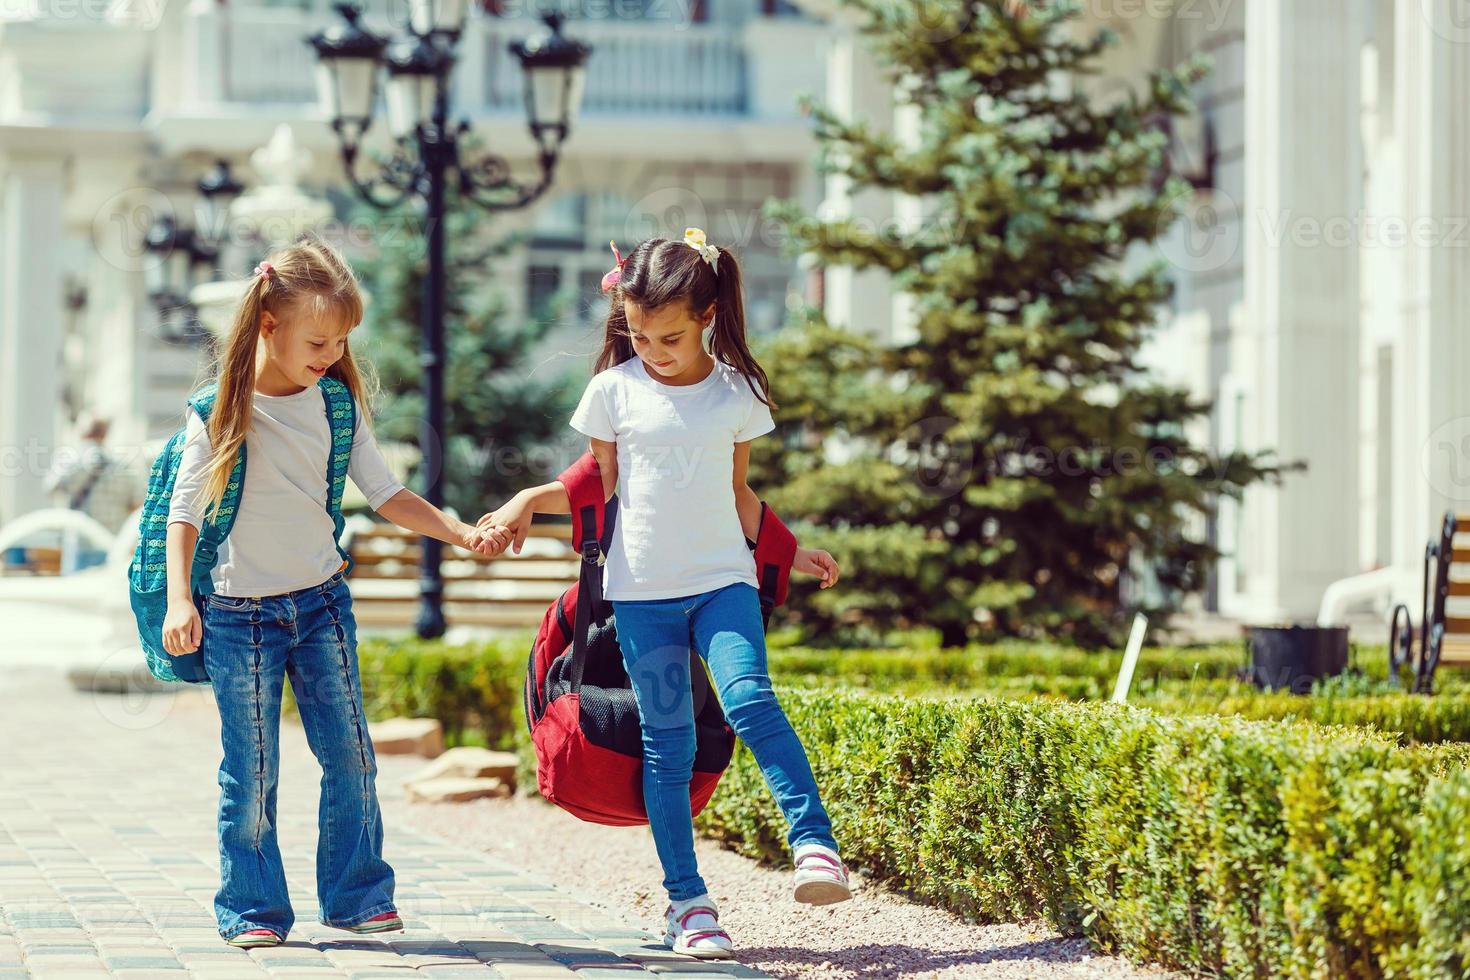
{"type": "Point", "coordinates": [109, 863]}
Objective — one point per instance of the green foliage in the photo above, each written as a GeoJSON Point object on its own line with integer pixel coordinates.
{"type": "Point", "coordinates": [1002, 472]}
{"type": "Point", "coordinates": [1410, 717]}
{"type": "Point", "coordinates": [473, 689]}
{"type": "Point", "coordinates": [500, 416]}
{"type": "Point", "coordinates": [1216, 845]}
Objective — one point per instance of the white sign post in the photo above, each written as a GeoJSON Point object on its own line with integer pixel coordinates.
{"type": "Point", "coordinates": [1130, 659]}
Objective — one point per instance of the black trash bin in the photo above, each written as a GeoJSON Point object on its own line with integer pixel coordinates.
{"type": "Point", "coordinates": [1294, 656]}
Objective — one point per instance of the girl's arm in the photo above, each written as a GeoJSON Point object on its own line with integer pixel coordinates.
{"type": "Point", "coordinates": [389, 497]}
{"type": "Point", "coordinates": [413, 513]}
{"type": "Point", "coordinates": [182, 629]}
{"type": "Point", "coordinates": [810, 561]}
{"type": "Point", "coordinates": [550, 498]}
{"type": "Point", "coordinates": [747, 504]}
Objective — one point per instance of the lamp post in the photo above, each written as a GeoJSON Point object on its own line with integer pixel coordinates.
{"type": "Point", "coordinates": [187, 255]}
{"type": "Point", "coordinates": [425, 152]}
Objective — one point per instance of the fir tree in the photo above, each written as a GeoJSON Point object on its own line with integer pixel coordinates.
{"type": "Point", "coordinates": [1006, 471]}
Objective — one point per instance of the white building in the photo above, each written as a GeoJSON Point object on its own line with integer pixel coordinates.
{"type": "Point", "coordinates": [1321, 288]}
{"type": "Point", "coordinates": [1320, 277]}
{"type": "Point", "coordinates": [111, 111]}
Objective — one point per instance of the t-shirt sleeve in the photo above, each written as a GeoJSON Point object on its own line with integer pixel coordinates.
{"type": "Point", "coordinates": [367, 467]}
{"type": "Point", "coordinates": [187, 504]}
{"type": "Point", "coordinates": [594, 415]}
{"type": "Point", "coordinates": [758, 421]}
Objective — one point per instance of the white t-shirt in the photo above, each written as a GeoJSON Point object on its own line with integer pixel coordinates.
{"type": "Point", "coordinates": [677, 532]}
{"type": "Point", "coordinates": [282, 539]}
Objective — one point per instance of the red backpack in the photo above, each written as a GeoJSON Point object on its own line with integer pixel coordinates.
{"type": "Point", "coordinates": [579, 702]}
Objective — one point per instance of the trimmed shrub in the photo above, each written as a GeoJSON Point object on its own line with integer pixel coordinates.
{"type": "Point", "coordinates": [1409, 717]}
{"type": "Point", "coordinates": [1212, 844]}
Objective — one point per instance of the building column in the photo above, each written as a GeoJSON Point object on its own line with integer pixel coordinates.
{"type": "Point", "coordinates": [861, 301]}
{"type": "Point", "coordinates": [1303, 193]}
{"type": "Point", "coordinates": [30, 328]}
{"type": "Point", "coordinates": [1432, 363]}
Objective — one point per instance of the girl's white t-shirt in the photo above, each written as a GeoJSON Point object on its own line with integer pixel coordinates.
{"type": "Point", "coordinates": [677, 531]}
{"type": "Point", "coordinates": [282, 539]}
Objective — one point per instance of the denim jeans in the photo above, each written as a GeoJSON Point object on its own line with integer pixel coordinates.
{"type": "Point", "coordinates": [725, 626]}
{"type": "Point", "coordinates": [310, 636]}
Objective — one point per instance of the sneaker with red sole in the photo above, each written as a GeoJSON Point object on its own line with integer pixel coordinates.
{"type": "Point", "coordinates": [251, 938]}
{"type": "Point", "coordinates": [382, 922]}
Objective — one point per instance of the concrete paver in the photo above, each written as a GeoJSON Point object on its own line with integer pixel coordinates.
{"type": "Point", "coordinates": [109, 863]}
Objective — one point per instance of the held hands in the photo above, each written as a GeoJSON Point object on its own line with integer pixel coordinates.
{"type": "Point", "coordinates": [488, 539]}
{"type": "Point", "coordinates": [182, 629]}
{"type": "Point", "coordinates": [513, 520]}
{"type": "Point", "coordinates": [815, 561]}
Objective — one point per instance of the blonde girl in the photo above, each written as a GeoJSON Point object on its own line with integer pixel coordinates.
{"type": "Point", "coordinates": [280, 606]}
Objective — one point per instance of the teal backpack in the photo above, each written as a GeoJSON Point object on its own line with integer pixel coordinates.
{"type": "Point", "coordinates": [147, 575]}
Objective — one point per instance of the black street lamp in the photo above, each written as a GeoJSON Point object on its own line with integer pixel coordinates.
{"type": "Point", "coordinates": [217, 190]}
{"type": "Point", "coordinates": [187, 256]}
{"type": "Point", "coordinates": [426, 149]}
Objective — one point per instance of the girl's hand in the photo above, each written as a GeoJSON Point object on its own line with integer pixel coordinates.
{"type": "Point", "coordinates": [514, 518]}
{"type": "Point", "coordinates": [182, 629]}
{"type": "Point", "coordinates": [490, 540]}
{"type": "Point", "coordinates": [815, 561]}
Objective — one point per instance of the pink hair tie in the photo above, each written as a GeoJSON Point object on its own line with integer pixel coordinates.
{"type": "Point", "coordinates": [615, 274]}
{"type": "Point", "coordinates": [263, 269]}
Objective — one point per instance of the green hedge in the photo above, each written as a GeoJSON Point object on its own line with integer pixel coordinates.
{"type": "Point", "coordinates": [980, 666]}
{"type": "Point", "coordinates": [1409, 717]}
{"type": "Point", "coordinates": [1211, 844]}
{"type": "Point", "coordinates": [474, 689]}
{"type": "Point", "coordinates": [1215, 844]}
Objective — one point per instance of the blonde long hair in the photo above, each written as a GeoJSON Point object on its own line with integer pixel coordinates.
{"type": "Point", "coordinates": [307, 278]}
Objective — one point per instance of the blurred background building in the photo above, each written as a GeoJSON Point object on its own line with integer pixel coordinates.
{"type": "Point", "coordinates": [1318, 270]}
{"type": "Point", "coordinates": [109, 116]}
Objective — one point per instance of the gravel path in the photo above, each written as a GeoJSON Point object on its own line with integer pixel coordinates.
{"type": "Point", "coordinates": [878, 934]}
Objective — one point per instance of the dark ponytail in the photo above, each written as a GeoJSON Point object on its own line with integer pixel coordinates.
{"type": "Point", "coordinates": [661, 271]}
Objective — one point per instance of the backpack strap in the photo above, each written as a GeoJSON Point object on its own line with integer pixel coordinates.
{"type": "Point", "coordinates": [590, 523]}
{"type": "Point", "coordinates": [593, 520]}
{"type": "Point", "coordinates": [342, 416]}
{"type": "Point", "coordinates": [218, 525]}
{"type": "Point", "coordinates": [775, 550]}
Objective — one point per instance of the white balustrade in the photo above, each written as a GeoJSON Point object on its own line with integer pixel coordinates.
{"type": "Point", "coordinates": [638, 68]}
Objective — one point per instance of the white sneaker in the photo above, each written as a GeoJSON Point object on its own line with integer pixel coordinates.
{"type": "Point", "coordinates": [693, 927]}
{"type": "Point", "coordinates": [821, 877]}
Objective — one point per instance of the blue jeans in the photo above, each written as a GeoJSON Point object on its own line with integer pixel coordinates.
{"type": "Point", "coordinates": [309, 635]}
{"type": "Point", "coordinates": [725, 627]}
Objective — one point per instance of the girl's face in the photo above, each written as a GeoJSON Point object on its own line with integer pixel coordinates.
{"type": "Point", "coordinates": [667, 339]}
{"type": "Point", "coordinates": [301, 349]}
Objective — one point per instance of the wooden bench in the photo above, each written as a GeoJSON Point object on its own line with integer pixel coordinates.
{"type": "Point", "coordinates": [510, 591]}
{"type": "Point", "coordinates": [1444, 623]}
{"type": "Point", "coordinates": [38, 561]}
{"type": "Point", "coordinates": [1454, 650]}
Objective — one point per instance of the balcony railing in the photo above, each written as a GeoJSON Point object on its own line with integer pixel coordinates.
{"type": "Point", "coordinates": [652, 68]}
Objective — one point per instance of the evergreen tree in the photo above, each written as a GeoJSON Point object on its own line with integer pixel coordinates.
{"type": "Point", "coordinates": [1005, 472]}
{"type": "Point", "coordinates": [505, 425]}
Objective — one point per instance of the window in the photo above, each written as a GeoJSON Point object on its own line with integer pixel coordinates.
{"type": "Point", "coordinates": [561, 223]}
{"type": "Point", "coordinates": [543, 282]}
